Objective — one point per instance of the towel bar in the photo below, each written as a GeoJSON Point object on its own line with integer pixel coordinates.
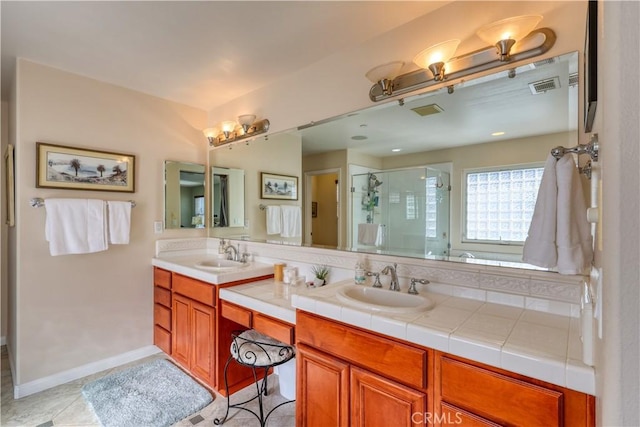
{"type": "Point", "coordinates": [38, 202]}
{"type": "Point", "coordinates": [590, 148]}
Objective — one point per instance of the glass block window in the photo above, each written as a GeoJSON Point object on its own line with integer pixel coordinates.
{"type": "Point", "coordinates": [500, 203]}
{"type": "Point", "coordinates": [410, 206]}
{"type": "Point", "coordinates": [431, 207]}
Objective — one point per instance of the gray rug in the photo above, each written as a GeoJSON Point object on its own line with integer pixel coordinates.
{"type": "Point", "coordinates": [154, 394]}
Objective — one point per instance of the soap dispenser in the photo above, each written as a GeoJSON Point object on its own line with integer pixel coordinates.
{"type": "Point", "coordinates": [359, 276]}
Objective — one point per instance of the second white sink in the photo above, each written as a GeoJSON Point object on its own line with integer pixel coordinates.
{"type": "Point", "coordinates": [221, 265]}
{"type": "Point", "coordinates": [379, 299]}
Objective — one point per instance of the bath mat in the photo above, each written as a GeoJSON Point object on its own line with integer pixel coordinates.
{"type": "Point", "coordinates": [154, 394]}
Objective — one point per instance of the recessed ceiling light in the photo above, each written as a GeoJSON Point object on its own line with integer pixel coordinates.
{"type": "Point", "coordinates": [395, 150]}
{"type": "Point", "coordinates": [497, 133]}
{"type": "Point", "coordinates": [358, 137]}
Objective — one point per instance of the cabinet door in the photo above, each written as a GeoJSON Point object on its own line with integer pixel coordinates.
{"type": "Point", "coordinates": [322, 397]}
{"type": "Point", "coordinates": [181, 328]}
{"type": "Point", "coordinates": [203, 323]}
{"type": "Point", "coordinates": [379, 402]}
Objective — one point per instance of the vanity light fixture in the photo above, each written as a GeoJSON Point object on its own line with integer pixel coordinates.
{"type": "Point", "coordinates": [231, 131]}
{"type": "Point", "coordinates": [520, 29]}
{"type": "Point", "coordinates": [507, 32]}
{"type": "Point", "coordinates": [383, 75]}
{"type": "Point", "coordinates": [433, 58]}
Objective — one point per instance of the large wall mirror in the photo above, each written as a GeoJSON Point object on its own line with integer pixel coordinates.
{"type": "Point", "coordinates": [184, 195]}
{"type": "Point", "coordinates": [402, 162]}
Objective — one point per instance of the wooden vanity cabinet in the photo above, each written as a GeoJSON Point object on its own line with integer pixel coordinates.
{"type": "Point", "coordinates": [194, 326]}
{"type": "Point", "coordinates": [162, 309]}
{"type": "Point", "coordinates": [350, 377]}
{"type": "Point", "coordinates": [487, 396]}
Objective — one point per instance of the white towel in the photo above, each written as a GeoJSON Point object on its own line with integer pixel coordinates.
{"type": "Point", "coordinates": [370, 234]}
{"type": "Point", "coordinates": [75, 226]}
{"type": "Point", "coordinates": [559, 234]}
{"type": "Point", "coordinates": [274, 220]}
{"type": "Point", "coordinates": [119, 222]}
{"type": "Point", "coordinates": [291, 221]}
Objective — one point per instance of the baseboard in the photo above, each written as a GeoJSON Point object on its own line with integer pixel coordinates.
{"type": "Point", "coordinates": [45, 383]}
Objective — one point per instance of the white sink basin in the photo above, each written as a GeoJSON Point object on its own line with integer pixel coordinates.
{"type": "Point", "coordinates": [379, 299]}
{"type": "Point", "coordinates": [221, 265]}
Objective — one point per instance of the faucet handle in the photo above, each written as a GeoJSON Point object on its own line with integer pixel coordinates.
{"type": "Point", "coordinates": [414, 281]}
{"type": "Point", "coordinates": [245, 257]}
{"type": "Point", "coordinates": [376, 282]}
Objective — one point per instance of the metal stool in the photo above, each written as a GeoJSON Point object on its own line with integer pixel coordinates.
{"type": "Point", "coordinates": [256, 351]}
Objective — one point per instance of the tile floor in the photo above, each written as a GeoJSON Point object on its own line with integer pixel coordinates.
{"type": "Point", "coordinates": [64, 405]}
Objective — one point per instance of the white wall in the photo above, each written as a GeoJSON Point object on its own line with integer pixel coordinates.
{"type": "Point", "coordinates": [79, 309]}
{"type": "Point", "coordinates": [4, 284]}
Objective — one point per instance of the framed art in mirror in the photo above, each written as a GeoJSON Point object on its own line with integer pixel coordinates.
{"type": "Point", "coordinates": [10, 183]}
{"type": "Point", "coordinates": [274, 186]}
{"type": "Point", "coordinates": [73, 168]}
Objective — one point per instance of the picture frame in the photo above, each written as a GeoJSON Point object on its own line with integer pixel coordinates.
{"type": "Point", "coordinates": [9, 168]}
{"type": "Point", "coordinates": [281, 187]}
{"type": "Point", "coordinates": [72, 168]}
{"type": "Point", "coordinates": [591, 66]}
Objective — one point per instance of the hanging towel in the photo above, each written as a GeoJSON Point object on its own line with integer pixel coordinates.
{"type": "Point", "coordinates": [75, 226]}
{"type": "Point", "coordinates": [119, 214]}
{"type": "Point", "coordinates": [274, 220]}
{"type": "Point", "coordinates": [370, 234]}
{"type": "Point", "coordinates": [291, 221]}
{"type": "Point", "coordinates": [559, 234]}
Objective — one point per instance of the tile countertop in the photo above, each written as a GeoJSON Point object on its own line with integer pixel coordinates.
{"type": "Point", "coordinates": [186, 265]}
{"type": "Point", "coordinates": [533, 343]}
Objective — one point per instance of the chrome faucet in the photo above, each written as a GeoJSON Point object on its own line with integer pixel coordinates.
{"type": "Point", "coordinates": [232, 252]}
{"type": "Point", "coordinates": [414, 281]}
{"type": "Point", "coordinates": [391, 269]}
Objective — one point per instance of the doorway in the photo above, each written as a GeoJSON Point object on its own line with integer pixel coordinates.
{"type": "Point", "coordinates": [322, 208]}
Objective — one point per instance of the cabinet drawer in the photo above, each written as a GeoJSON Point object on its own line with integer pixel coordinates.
{"type": "Point", "coordinates": [274, 328]}
{"type": "Point", "coordinates": [194, 289]}
{"type": "Point", "coordinates": [497, 397]}
{"type": "Point", "coordinates": [235, 313]}
{"type": "Point", "coordinates": [453, 416]}
{"type": "Point", "coordinates": [162, 316]}
{"type": "Point", "coordinates": [392, 359]}
{"type": "Point", "coordinates": [162, 339]}
{"type": "Point", "coordinates": [162, 296]}
{"type": "Point", "coordinates": [162, 278]}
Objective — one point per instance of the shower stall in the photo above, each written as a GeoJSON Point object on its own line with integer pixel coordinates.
{"type": "Point", "coordinates": [404, 212]}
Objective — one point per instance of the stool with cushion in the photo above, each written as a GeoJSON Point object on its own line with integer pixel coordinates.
{"type": "Point", "coordinates": [258, 352]}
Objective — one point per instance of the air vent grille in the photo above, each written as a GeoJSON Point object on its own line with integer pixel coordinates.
{"type": "Point", "coordinates": [573, 79]}
{"type": "Point", "coordinates": [542, 86]}
{"type": "Point", "coordinates": [427, 110]}
{"type": "Point", "coordinates": [543, 62]}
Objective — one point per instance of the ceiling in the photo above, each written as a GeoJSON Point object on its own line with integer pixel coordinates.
{"type": "Point", "coordinates": [201, 54]}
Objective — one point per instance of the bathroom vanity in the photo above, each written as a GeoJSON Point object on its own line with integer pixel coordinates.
{"type": "Point", "coordinates": [456, 360]}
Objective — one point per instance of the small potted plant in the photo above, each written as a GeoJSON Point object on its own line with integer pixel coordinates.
{"type": "Point", "coordinates": [320, 273]}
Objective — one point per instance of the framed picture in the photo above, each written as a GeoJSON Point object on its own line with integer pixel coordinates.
{"type": "Point", "coordinates": [10, 183]}
{"type": "Point", "coordinates": [81, 169]}
{"type": "Point", "coordinates": [591, 66]}
{"type": "Point", "coordinates": [282, 187]}
{"type": "Point", "coordinates": [314, 209]}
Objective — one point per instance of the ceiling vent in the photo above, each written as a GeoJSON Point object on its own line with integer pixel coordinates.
{"type": "Point", "coordinates": [542, 86]}
{"type": "Point", "coordinates": [543, 62]}
{"type": "Point", "coordinates": [427, 110]}
{"type": "Point", "coordinates": [573, 79]}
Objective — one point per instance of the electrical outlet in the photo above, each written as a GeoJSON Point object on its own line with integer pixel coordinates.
{"type": "Point", "coordinates": [157, 227]}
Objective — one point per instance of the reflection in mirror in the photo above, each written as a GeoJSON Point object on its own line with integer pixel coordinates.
{"type": "Point", "coordinates": [499, 128]}
{"type": "Point", "coordinates": [227, 197]}
{"type": "Point", "coordinates": [184, 200]}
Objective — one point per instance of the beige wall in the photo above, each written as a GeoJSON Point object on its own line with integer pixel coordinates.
{"type": "Point", "coordinates": [4, 284]}
{"type": "Point", "coordinates": [280, 154]}
{"type": "Point", "coordinates": [76, 309]}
